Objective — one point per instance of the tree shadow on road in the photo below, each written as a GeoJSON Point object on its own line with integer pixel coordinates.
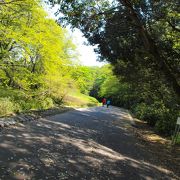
{"type": "Point", "coordinates": [91, 145]}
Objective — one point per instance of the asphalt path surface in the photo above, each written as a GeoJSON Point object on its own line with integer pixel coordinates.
{"type": "Point", "coordinates": [90, 143]}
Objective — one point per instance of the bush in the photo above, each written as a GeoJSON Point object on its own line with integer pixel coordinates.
{"type": "Point", "coordinates": [35, 103]}
{"type": "Point", "coordinates": [151, 113]}
{"type": "Point", "coordinates": [46, 103]}
{"type": "Point", "coordinates": [58, 100]}
{"type": "Point", "coordinates": [25, 105]}
{"type": "Point", "coordinates": [166, 125]}
{"type": "Point", "coordinates": [7, 106]}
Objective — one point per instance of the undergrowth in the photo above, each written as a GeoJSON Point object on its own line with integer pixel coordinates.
{"type": "Point", "coordinates": [15, 101]}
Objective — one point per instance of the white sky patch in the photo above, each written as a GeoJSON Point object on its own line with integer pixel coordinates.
{"type": "Point", "coordinates": [87, 56]}
{"type": "Point", "coordinates": [86, 53]}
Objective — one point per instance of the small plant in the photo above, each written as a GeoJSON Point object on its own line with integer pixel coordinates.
{"type": "Point", "coordinates": [46, 103]}
{"type": "Point", "coordinates": [6, 106]}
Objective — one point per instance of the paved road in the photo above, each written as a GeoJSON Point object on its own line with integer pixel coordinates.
{"type": "Point", "coordinates": [91, 143]}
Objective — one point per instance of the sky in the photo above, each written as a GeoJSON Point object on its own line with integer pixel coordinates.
{"type": "Point", "coordinates": [87, 56]}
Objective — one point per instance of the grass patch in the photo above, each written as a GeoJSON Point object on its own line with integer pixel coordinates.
{"type": "Point", "coordinates": [76, 99]}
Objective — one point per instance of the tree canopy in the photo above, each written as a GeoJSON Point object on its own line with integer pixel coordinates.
{"type": "Point", "coordinates": [31, 44]}
{"type": "Point", "coordinates": [35, 52]}
{"type": "Point", "coordinates": [131, 35]}
{"type": "Point", "coordinates": [140, 39]}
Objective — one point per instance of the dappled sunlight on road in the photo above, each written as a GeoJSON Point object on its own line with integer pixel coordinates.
{"type": "Point", "coordinates": [93, 143]}
{"type": "Point", "coordinates": [10, 145]}
{"type": "Point", "coordinates": [91, 147]}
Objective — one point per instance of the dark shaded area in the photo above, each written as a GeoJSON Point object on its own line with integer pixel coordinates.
{"type": "Point", "coordinates": [89, 143]}
{"type": "Point", "coordinates": [158, 144]}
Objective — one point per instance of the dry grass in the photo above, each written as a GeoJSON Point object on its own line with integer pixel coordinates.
{"type": "Point", "coordinates": [148, 134]}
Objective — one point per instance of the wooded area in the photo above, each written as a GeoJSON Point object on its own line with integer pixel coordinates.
{"type": "Point", "coordinates": [139, 38]}
{"type": "Point", "coordinates": [37, 67]}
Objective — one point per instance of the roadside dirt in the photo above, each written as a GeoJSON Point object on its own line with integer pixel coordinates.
{"type": "Point", "coordinates": [158, 145]}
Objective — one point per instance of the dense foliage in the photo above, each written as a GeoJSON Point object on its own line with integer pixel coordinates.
{"type": "Point", "coordinates": [84, 77]}
{"type": "Point", "coordinates": [140, 39]}
{"type": "Point", "coordinates": [145, 105]}
{"type": "Point", "coordinates": [131, 35]}
{"type": "Point", "coordinates": [36, 59]}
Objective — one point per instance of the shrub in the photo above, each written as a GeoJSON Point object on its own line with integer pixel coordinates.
{"type": "Point", "coordinates": [25, 105]}
{"type": "Point", "coordinates": [46, 103]}
{"type": "Point", "coordinates": [7, 106]}
{"type": "Point", "coordinates": [166, 125]}
{"type": "Point", "coordinates": [58, 100]}
{"type": "Point", "coordinates": [151, 113]}
{"type": "Point", "coordinates": [139, 110]}
{"type": "Point", "coordinates": [35, 103]}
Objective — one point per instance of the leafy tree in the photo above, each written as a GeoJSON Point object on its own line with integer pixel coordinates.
{"type": "Point", "coordinates": [35, 53]}
{"type": "Point", "coordinates": [125, 30]}
{"type": "Point", "coordinates": [101, 74]}
{"type": "Point", "coordinates": [141, 41]}
{"type": "Point", "coordinates": [84, 77]}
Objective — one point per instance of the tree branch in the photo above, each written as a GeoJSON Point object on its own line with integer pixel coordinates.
{"type": "Point", "coordinates": [173, 26]}
{"type": "Point", "coordinates": [3, 2]}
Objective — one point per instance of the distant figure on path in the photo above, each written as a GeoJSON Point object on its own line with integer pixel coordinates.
{"type": "Point", "coordinates": [108, 103]}
{"type": "Point", "coordinates": [103, 101]}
